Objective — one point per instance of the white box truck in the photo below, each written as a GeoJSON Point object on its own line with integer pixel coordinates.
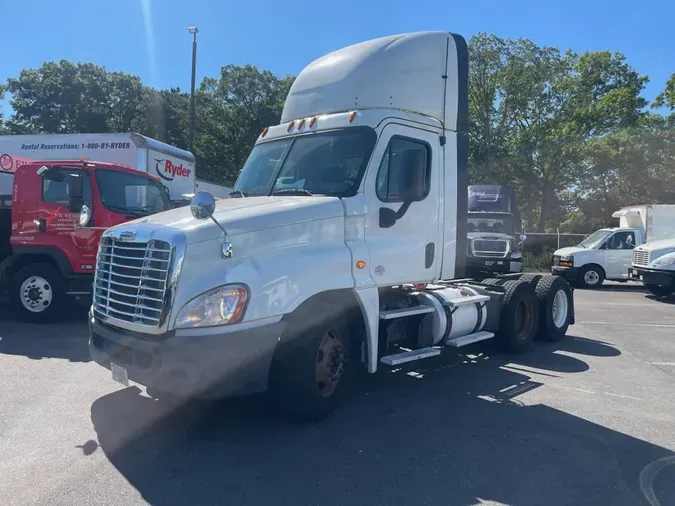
{"type": "Point", "coordinates": [608, 253]}
{"type": "Point", "coordinates": [344, 245]}
{"type": "Point", "coordinates": [175, 167]}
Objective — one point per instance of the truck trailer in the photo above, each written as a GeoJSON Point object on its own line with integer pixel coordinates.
{"type": "Point", "coordinates": [343, 247]}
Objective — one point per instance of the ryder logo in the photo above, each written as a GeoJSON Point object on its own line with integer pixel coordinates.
{"type": "Point", "coordinates": [168, 170]}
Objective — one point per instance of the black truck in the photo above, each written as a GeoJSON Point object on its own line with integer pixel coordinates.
{"type": "Point", "coordinates": [494, 221]}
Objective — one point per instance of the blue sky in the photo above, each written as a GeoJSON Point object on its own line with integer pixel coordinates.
{"type": "Point", "coordinates": [149, 38]}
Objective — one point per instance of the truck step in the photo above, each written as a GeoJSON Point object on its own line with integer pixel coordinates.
{"type": "Point", "coordinates": [409, 356]}
{"type": "Point", "coordinates": [390, 314]}
{"type": "Point", "coordinates": [468, 339]}
{"type": "Point", "coordinates": [465, 301]}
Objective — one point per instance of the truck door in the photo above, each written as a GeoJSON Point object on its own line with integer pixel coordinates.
{"type": "Point", "coordinates": [406, 248]}
{"type": "Point", "coordinates": [56, 222]}
{"type": "Point", "coordinates": [619, 253]}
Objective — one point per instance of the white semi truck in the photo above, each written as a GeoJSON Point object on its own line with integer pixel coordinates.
{"type": "Point", "coordinates": [344, 247]}
{"type": "Point", "coordinates": [175, 167]}
{"type": "Point", "coordinates": [607, 253]}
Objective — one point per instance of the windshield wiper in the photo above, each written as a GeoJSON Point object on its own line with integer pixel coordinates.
{"type": "Point", "coordinates": [237, 193]}
{"type": "Point", "coordinates": [291, 191]}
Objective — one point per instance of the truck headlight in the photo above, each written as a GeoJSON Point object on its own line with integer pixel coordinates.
{"type": "Point", "coordinates": [516, 254]}
{"type": "Point", "coordinates": [220, 306]}
{"type": "Point", "coordinates": [662, 262]}
{"type": "Point", "coordinates": [566, 261]}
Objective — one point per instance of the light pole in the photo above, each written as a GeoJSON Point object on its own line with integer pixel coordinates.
{"type": "Point", "coordinates": [191, 126]}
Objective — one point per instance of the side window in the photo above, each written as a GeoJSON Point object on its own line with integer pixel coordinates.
{"type": "Point", "coordinates": [622, 240]}
{"type": "Point", "coordinates": [402, 155]}
{"type": "Point", "coordinates": [56, 192]}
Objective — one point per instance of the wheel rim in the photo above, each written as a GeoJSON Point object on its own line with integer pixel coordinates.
{"type": "Point", "coordinates": [330, 363]}
{"type": "Point", "coordinates": [591, 277]}
{"type": "Point", "coordinates": [524, 318]}
{"type": "Point", "coordinates": [36, 294]}
{"type": "Point", "coordinates": [560, 308]}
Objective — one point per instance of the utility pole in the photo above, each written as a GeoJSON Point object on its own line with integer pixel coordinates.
{"type": "Point", "coordinates": [191, 127]}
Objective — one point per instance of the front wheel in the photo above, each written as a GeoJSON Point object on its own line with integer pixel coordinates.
{"type": "Point", "coordinates": [308, 375]}
{"type": "Point", "coordinates": [661, 290]}
{"type": "Point", "coordinates": [591, 276]}
{"type": "Point", "coordinates": [38, 293]}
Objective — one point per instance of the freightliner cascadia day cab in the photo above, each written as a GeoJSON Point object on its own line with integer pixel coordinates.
{"type": "Point", "coordinates": [493, 225]}
{"type": "Point", "coordinates": [46, 259]}
{"type": "Point", "coordinates": [608, 253]}
{"type": "Point", "coordinates": [346, 246]}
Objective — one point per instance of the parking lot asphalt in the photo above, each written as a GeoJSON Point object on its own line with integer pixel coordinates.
{"type": "Point", "coordinates": [590, 420]}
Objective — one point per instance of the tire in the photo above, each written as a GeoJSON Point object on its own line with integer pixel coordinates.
{"type": "Point", "coordinates": [493, 282]}
{"type": "Point", "coordinates": [532, 279]}
{"type": "Point", "coordinates": [591, 276]}
{"type": "Point", "coordinates": [554, 296]}
{"type": "Point", "coordinates": [519, 320]}
{"type": "Point", "coordinates": [311, 366]}
{"type": "Point", "coordinates": [660, 290]}
{"type": "Point", "coordinates": [38, 293]}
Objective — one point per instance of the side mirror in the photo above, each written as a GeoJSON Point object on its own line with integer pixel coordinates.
{"type": "Point", "coordinates": [203, 205]}
{"type": "Point", "coordinates": [522, 237]}
{"type": "Point", "coordinates": [413, 178]}
{"type": "Point", "coordinates": [75, 193]}
{"type": "Point", "coordinates": [84, 218]}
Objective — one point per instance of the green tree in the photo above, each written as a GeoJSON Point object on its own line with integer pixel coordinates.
{"type": "Point", "coordinates": [230, 113]}
{"type": "Point", "coordinates": [63, 97]}
{"type": "Point", "coordinates": [667, 97]}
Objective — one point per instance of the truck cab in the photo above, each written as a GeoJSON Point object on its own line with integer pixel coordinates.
{"type": "Point", "coordinates": [49, 258]}
{"type": "Point", "coordinates": [493, 218]}
{"type": "Point", "coordinates": [342, 246]}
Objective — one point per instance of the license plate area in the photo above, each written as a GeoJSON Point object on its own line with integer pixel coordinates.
{"type": "Point", "coordinates": [119, 374]}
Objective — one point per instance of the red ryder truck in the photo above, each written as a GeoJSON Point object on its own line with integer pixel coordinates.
{"type": "Point", "coordinates": [47, 258]}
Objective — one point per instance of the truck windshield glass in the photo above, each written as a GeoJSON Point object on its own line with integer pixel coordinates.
{"type": "Point", "coordinates": [326, 163]}
{"type": "Point", "coordinates": [596, 239]}
{"type": "Point", "coordinates": [124, 192]}
{"type": "Point", "coordinates": [501, 225]}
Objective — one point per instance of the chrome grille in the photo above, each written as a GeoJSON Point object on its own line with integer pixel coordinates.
{"type": "Point", "coordinates": [490, 248]}
{"type": "Point", "coordinates": [131, 280]}
{"type": "Point", "coordinates": [640, 258]}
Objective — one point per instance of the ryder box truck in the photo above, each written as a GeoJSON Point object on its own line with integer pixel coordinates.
{"type": "Point", "coordinates": [175, 167]}
{"type": "Point", "coordinates": [344, 246]}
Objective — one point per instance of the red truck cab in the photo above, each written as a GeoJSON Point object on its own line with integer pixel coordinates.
{"type": "Point", "coordinates": [46, 259]}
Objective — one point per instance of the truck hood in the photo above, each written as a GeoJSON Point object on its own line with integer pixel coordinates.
{"type": "Point", "coordinates": [571, 250]}
{"type": "Point", "coordinates": [665, 244]}
{"type": "Point", "coordinates": [241, 215]}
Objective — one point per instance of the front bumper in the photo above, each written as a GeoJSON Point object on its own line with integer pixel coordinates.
{"type": "Point", "coordinates": [571, 274]}
{"type": "Point", "coordinates": [226, 364]}
{"type": "Point", "coordinates": [651, 276]}
{"type": "Point", "coordinates": [493, 265]}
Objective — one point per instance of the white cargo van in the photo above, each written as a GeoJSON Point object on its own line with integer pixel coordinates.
{"type": "Point", "coordinates": [607, 253]}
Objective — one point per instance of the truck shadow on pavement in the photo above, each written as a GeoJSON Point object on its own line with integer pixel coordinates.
{"type": "Point", "coordinates": [450, 430]}
{"type": "Point", "coordinates": [66, 339]}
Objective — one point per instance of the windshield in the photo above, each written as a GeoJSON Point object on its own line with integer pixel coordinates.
{"type": "Point", "coordinates": [501, 225]}
{"type": "Point", "coordinates": [596, 239]}
{"type": "Point", "coordinates": [124, 192]}
{"type": "Point", "coordinates": [327, 163]}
